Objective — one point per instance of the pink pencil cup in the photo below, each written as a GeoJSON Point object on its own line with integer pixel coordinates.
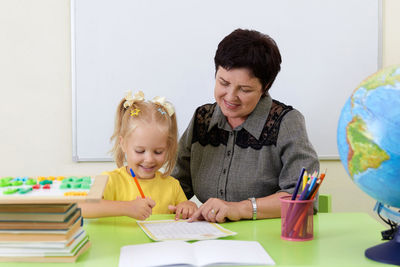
{"type": "Point", "coordinates": [296, 219]}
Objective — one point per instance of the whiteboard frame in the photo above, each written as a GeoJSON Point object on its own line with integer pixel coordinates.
{"type": "Point", "coordinates": [75, 156]}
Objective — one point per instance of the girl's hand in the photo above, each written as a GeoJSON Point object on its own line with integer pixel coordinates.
{"type": "Point", "coordinates": [140, 208]}
{"type": "Point", "coordinates": [217, 210]}
{"type": "Point", "coordinates": [184, 209]}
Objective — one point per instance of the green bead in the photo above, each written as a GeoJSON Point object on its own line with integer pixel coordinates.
{"type": "Point", "coordinates": [71, 179]}
{"type": "Point", "coordinates": [85, 186]}
{"type": "Point", "coordinates": [30, 181]}
{"type": "Point", "coordinates": [25, 190]}
{"type": "Point", "coordinates": [4, 184]}
{"type": "Point", "coordinates": [76, 185]}
{"type": "Point", "coordinates": [65, 186]}
{"type": "Point", "coordinates": [46, 182]}
{"type": "Point", "coordinates": [17, 183]}
{"type": "Point", "coordinates": [86, 179]}
{"type": "Point", "coordinates": [10, 191]}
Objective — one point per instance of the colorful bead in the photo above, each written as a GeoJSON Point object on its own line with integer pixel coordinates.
{"type": "Point", "coordinates": [10, 191]}
{"type": "Point", "coordinates": [46, 186]}
{"type": "Point", "coordinates": [30, 181]}
{"type": "Point", "coordinates": [25, 190]}
{"type": "Point", "coordinates": [43, 182]}
{"type": "Point", "coordinates": [75, 193]}
{"type": "Point", "coordinates": [36, 186]}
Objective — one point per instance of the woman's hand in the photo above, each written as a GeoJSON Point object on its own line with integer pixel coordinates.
{"type": "Point", "coordinates": [140, 208]}
{"type": "Point", "coordinates": [217, 210]}
{"type": "Point", "coordinates": [184, 209]}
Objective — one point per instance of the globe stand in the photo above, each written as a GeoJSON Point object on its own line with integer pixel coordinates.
{"type": "Point", "coordinates": [388, 252]}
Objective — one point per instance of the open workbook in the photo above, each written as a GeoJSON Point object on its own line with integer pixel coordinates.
{"type": "Point", "coordinates": [201, 253]}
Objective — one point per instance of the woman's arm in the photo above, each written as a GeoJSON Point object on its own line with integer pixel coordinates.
{"type": "Point", "coordinates": [181, 171]}
{"type": "Point", "coordinates": [217, 210]}
{"type": "Point", "coordinates": [270, 206]}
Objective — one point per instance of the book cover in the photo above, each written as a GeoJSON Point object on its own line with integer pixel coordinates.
{"type": "Point", "coordinates": [48, 246]}
{"type": "Point", "coordinates": [71, 256]}
{"type": "Point", "coordinates": [59, 208]}
{"type": "Point", "coordinates": [42, 225]}
{"type": "Point", "coordinates": [40, 235]}
{"type": "Point", "coordinates": [38, 216]}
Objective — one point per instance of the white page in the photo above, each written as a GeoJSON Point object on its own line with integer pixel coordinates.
{"type": "Point", "coordinates": [231, 252]}
{"type": "Point", "coordinates": [44, 251]}
{"type": "Point", "coordinates": [157, 254]}
{"type": "Point", "coordinates": [162, 230]}
{"type": "Point", "coordinates": [4, 245]}
{"type": "Point", "coordinates": [201, 253]}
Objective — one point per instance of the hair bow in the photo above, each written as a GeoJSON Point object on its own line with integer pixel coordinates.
{"type": "Point", "coordinates": [168, 106]}
{"type": "Point", "coordinates": [129, 99]}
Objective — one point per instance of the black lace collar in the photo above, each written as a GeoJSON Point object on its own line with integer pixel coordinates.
{"type": "Point", "coordinates": [209, 117]}
{"type": "Point", "coordinates": [253, 124]}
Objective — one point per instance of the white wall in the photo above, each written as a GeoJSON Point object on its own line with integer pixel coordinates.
{"type": "Point", "coordinates": [35, 97]}
{"type": "Point", "coordinates": [35, 90]}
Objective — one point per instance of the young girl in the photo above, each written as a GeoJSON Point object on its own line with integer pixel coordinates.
{"type": "Point", "coordinates": [145, 136]}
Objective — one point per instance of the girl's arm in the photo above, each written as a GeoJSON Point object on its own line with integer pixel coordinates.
{"type": "Point", "coordinates": [139, 208]}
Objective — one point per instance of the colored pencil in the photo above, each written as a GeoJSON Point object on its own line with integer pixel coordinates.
{"type": "Point", "coordinates": [296, 224]}
{"type": "Point", "coordinates": [296, 190]}
{"type": "Point", "coordinates": [321, 178]}
{"type": "Point", "coordinates": [311, 187]}
{"type": "Point", "coordinates": [304, 179]}
{"type": "Point", "coordinates": [304, 193]}
{"type": "Point", "coordinates": [137, 183]}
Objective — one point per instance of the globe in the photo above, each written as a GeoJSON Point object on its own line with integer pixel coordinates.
{"type": "Point", "coordinates": [368, 138]}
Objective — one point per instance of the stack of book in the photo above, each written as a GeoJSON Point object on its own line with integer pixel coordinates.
{"type": "Point", "coordinates": [41, 232]}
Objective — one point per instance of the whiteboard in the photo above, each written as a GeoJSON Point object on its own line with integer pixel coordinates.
{"type": "Point", "coordinates": [167, 48]}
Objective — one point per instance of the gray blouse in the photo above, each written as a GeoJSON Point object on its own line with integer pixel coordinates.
{"type": "Point", "coordinates": [261, 157]}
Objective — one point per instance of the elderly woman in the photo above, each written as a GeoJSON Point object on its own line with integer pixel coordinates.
{"type": "Point", "coordinates": [242, 153]}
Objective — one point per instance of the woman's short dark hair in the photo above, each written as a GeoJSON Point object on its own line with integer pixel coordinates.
{"type": "Point", "coordinates": [252, 50]}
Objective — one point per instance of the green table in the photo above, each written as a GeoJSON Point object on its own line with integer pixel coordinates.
{"type": "Point", "coordinates": [340, 239]}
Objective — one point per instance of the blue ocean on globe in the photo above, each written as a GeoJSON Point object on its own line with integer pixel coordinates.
{"type": "Point", "coordinates": [368, 136]}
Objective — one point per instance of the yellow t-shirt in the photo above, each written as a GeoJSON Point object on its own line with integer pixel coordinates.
{"type": "Point", "coordinates": [163, 190]}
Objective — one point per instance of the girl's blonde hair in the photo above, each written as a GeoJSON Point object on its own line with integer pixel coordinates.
{"type": "Point", "coordinates": [128, 118]}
